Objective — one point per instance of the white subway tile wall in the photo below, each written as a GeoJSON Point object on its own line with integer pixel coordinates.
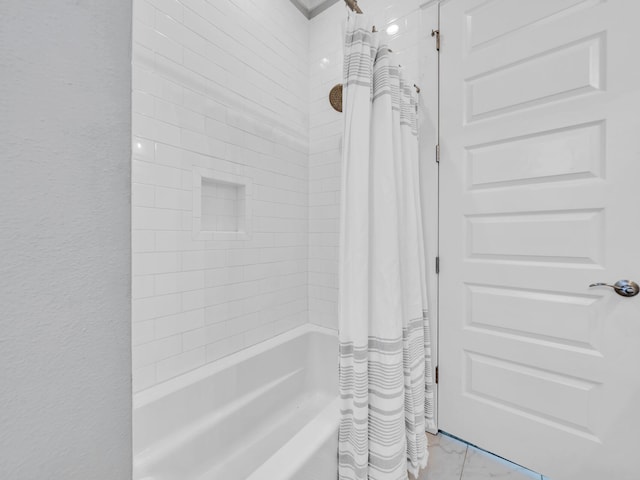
{"type": "Point", "coordinates": [325, 134]}
{"type": "Point", "coordinates": [238, 88]}
{"type": "Point", "coordinates": [218, 86]}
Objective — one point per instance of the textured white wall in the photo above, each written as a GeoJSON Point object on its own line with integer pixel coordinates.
{"type": "Point", "coordinates": [325, 134]}
{"type": "Point", "coordinates": [220, 89]}
{"type": "Point", "coordinates": [65, 341]}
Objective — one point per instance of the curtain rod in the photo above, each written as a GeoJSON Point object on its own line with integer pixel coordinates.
{"type": "Point", "coordinates": [353, 5]}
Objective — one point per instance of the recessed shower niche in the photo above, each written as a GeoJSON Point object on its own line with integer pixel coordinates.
{"type": "Point", "coordinates": [221, 206]}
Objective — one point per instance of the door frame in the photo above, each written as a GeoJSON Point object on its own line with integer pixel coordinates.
{"type": "Point", "coordinates": [429, 119]}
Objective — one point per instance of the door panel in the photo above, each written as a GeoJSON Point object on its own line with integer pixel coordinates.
{"type": "Point", "coordinates": [540, 165]}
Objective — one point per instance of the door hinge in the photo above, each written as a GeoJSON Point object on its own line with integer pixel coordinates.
{"type": "Point", "coordinates": [438, 153]}
{"type": "Point", "coordinates": [436, 33]}
{"type": "Point", "coordinates": [437, 376]}
{"type": "Point", "coordinates": [437, 264]}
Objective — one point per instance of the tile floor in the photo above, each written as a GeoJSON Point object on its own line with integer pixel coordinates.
{"type": "Point", "coordinates": [451, 459]}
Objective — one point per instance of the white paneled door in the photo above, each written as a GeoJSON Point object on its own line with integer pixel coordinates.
{"type": "Point", "coordinates": [540, 196]}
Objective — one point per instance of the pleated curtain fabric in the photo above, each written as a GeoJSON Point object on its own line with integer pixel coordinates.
{"type": "Point", "coordinates": [386, 387]}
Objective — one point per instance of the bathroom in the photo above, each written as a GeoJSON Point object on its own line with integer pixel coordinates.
{"type": "Point", "coordinates": [174, 214]}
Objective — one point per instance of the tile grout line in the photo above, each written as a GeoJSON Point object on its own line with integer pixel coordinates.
{"type": "Point", "coordinates": [464, 462]}
{"type": "Point", "coordinates": [542, 477]}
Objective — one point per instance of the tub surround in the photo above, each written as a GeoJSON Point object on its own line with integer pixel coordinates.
{"type": "Point", "coordinates": [219, 95]}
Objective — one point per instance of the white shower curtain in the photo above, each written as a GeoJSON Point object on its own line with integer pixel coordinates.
{"type": "Point", "coordinates": [385, 358]}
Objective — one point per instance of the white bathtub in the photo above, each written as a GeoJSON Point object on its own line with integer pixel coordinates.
{"type": "Point", "coordinates": [269, 412]}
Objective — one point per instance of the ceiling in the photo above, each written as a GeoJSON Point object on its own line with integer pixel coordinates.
{"type": "Point", "coordinates": [311, 8]}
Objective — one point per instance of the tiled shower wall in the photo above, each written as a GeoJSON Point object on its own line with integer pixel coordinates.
{"type": "Point", "coordinates": [325, 133]}
{"type": "Point", "coordinates": [221, 92]}
{"type": "Point", "coordinates": [237, 89]}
